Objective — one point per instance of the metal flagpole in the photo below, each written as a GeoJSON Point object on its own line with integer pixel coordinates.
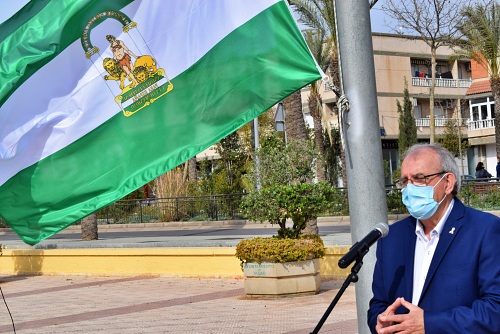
{"type": "Point", "coordinates": [365, 172]}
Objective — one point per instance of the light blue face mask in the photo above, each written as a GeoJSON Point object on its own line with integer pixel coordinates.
{"type": "Point", "coordinates": [419, 200]}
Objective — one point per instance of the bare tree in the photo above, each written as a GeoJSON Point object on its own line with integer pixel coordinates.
{"type": "Point", "coordinates": [437, 22]}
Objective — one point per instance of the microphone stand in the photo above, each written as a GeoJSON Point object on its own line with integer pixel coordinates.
{"type": "Point", "coordinates": [353, 277]}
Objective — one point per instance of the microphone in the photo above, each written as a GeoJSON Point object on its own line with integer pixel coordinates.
{"type": "Point", "coordinates": [359, 249]}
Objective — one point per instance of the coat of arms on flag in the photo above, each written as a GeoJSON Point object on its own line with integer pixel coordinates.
{"type": "Point", "coordinates": [139, 78]}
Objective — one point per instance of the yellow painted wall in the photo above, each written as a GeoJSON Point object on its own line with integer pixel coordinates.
{"type": "Point", "coordinates": [171, 262]}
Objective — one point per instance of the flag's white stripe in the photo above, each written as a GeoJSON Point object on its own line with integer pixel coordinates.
{"type": "Point", "coordinates": [68, 97]}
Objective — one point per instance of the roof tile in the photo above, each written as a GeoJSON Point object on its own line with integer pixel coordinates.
{"type": "Point", "coordinates": [479, 86]}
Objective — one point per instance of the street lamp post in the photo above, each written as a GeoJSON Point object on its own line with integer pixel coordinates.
{"type": "Point", "coordinates": [255, 146]}
{"type": "Point", "coordinates": [279, 120]}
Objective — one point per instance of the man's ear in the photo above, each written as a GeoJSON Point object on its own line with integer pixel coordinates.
{"type": "Point", "coordinates": [450, 177]}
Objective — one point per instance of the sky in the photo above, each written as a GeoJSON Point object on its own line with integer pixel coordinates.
{"type": "Point", "coordinates": [378, 19]}
{"type": "Point", "coordinates": [9, 7]}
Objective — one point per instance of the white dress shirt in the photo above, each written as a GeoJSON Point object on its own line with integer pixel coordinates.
{"type": "Point", "coordinates": [424, 251]}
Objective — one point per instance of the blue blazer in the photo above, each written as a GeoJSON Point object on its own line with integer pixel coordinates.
{"type": "Point", "coordinates": [461, 293]}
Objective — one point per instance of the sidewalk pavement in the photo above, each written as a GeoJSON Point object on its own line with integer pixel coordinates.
{"type": "Point", "coordinates": [70, 238]}
{"type": "Point", "coordinates": [152, 304]}
{"type": "Point", "coordinates": [111, 305]}
{"type": "Point", "coordinates": [340, 237]}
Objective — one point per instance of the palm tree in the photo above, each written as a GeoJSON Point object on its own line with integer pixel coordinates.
{"type": "Point", "coordinates": [319, 15]}
{"type": "Point", "coordinates": [294, 118]}
{"type": "Point", "coordinates": [321, 52]}
{"type": "Point", "coordinates": [481, 28]}
{"type": "Point", "coordinates": [89, 227]}
{"type": "Point", "coordinates": [191, 174]}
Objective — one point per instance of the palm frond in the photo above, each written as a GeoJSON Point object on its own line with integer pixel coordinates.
{"type": "Point", "coordinates": [481, 30]}
{"type": "Point", "coordinates": [316, 14]}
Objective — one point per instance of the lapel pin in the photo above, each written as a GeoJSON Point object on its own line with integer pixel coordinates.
{"type": "Point", "coordinates": [452, 230]}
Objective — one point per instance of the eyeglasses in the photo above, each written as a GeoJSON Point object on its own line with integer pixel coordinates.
{"type": "Point", "coordinates": [419, 179]}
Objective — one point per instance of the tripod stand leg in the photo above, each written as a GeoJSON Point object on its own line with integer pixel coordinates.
{"type": "Point", "coordinates": [353, 277]}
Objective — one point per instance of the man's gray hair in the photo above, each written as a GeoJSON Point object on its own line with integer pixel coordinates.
{"type": "Point", "coordinates": [448, 163]}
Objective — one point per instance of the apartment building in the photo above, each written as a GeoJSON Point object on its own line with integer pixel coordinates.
{"type": "Point", "coordinates": [481, 124]}
{"type": "Point", "coordinates": [399, 57]}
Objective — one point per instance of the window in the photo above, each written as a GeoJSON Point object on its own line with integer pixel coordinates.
{"type": "Point", "coordinates": [475, 113]}
{"type": "Point", "coordinates": [438, 71]}
{"type": "Point", "coordinates": [479, 101]}
{"type": "Point", "coordinates": [438, 112]}
{"type": "Point", "coordinates": [417, 111]}
{"type": "Point", "coordinates": [415, 70]}
{"type": "Point", "coordinates": [484, 112]}
{"type": "Point", "coordinates": [483, 109]}
{"type": "Point", "coordinates": [464, 110]}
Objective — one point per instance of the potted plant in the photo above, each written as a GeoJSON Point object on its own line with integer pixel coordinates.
{"type": "Point", "coordinates": [271, 264]}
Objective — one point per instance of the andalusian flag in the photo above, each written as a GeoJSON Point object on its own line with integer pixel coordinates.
{"type": "Point", "coordinates": [98, 98]}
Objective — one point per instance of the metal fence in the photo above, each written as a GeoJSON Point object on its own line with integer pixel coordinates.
{"type": "Point", "coordinates": [206, 208]}
{"type": "Point", "coordinates": [194, 208]}
{"type": "Point", "coordinates": [482, 194]}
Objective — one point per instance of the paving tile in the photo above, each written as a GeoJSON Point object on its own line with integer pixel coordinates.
{"type": "Point", "coordinates": [80, 304]}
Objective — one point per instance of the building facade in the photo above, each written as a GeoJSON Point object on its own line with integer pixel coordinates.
{"type": "Point", "coordinates": [481, 124]}
{"type": "Point", "coordinates": [398, 58]}
{"type": "Point", "coordinates": [462, 95]}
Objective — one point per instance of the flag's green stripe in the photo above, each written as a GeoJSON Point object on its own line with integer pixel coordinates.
{"type": "Point", "coordinates": [21, 17]}
{"type": "Point", "coordinates": [228, 87]}
{"type": "Point", "coordinates": [39, 34]}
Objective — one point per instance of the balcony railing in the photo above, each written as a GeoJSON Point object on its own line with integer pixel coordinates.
{"type": "Point", "coordinates": [482, 124]}
{"type": "Point", "coordinates": [464, 83]}
{"type": "Point", "coordinates": [438, 121]}
{"type": "Point", "coordinates": [449, 83]}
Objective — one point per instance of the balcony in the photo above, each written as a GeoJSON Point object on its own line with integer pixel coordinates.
{"type": "Point", "coordinates": [480, 125]}
{"type": "Point", "coordinates": [438, 121]}
{"type": "Point", "coordinates": [447, 83]}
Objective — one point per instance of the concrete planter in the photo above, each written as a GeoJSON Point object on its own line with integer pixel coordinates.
{"type": "Point", "coordinates": [288, 278]}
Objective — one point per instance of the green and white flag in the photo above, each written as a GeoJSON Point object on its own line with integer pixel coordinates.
{"type": "Point", "coordinates": [98, 98]}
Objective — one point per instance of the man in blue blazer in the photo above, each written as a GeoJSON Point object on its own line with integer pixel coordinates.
{"type": "Point", "coordinates": [438, 271]}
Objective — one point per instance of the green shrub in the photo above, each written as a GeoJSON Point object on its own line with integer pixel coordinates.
{"type": "Point", "coordinates": [279, 250]}
{"type": "Point", "coordinates": [300, 202]}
